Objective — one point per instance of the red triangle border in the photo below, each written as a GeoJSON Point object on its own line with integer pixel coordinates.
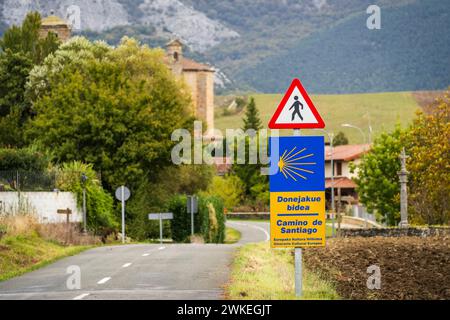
{"type": "Point", "coordinates": [320, 123]}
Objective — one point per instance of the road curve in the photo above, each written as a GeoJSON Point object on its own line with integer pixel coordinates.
{"type": "Point", "coordinates": [143, 271]}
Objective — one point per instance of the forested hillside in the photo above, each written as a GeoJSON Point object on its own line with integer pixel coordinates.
{"type": "Point", "coordinates": [260, 45]}
{"type": "Point", "coordinates": [411, 52]}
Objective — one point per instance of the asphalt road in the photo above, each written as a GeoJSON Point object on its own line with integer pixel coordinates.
{"type": "Point", "coordinates": [147, 272]}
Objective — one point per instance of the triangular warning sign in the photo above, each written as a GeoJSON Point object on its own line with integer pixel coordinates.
{"type": "Point", "coordinates": [296, 110]}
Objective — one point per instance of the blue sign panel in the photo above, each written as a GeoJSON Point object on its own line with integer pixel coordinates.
{"type": "Point", "coordinates": [300, 162]}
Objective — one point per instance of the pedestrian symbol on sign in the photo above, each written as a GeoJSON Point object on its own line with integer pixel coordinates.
{"type": "Point", "coordinates": [296, 107]}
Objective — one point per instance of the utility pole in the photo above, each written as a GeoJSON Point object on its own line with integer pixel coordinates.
{"type": "Point", "coordinates": [403, 177]}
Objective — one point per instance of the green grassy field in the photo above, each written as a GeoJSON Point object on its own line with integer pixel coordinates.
{"type": "Point", "coordinates": [382, 110]}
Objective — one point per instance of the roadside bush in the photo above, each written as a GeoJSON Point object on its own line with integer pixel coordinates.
{"type": "Point", "coordinates": [181, 223]}
{"type": "Point", "coordinates": [209, 222]}
{"type": "Point", "coordinates": [99, 203]}
{"type": "Point", "coordinates": [211, 219]}
{"type": "Point", "coordinates": [155, 193]}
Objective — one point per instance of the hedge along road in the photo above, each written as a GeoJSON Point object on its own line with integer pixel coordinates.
{"type": "Point", "coordinates": [174, 271]}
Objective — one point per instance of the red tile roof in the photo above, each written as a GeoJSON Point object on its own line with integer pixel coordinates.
{"type": "Point", "coordinates": [191, 65]}
{"type": "Point", "coordinates": [343, 183]}
{"type": "Point", "coordinates": [346, 152]}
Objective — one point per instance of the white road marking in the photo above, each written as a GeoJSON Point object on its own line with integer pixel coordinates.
{"type": "Point", "coordinates": [126, 265]}
{"type": "Point", "coordinates": [146, 254]}
{"type": "Point", "coordinates": [263, 230]}
{"type": "Point", "coordinates": [81, 296]}
{"type": "Point", "coordinates": [161, 248]}
{"type": "Point", "coordinates": [104, 280]}
{"type": "Point", "coordinates": [253, 226]}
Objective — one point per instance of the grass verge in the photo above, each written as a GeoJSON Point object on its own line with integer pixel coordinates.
{"type": "Point", "coordinates": [21, 254]}
{"type": "Point", "coordinates": [260, 273]}
{"type": "Point", "coordinates": [232, 235]}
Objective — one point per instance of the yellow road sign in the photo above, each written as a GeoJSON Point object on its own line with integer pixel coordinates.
{"type": "Point", "coordinates": [297, 219]}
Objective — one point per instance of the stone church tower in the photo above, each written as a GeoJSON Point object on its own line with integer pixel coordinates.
{"type": "Point", "coordinates": [200, 79]}
{"type": "Point", "coordinates": [55, 25]}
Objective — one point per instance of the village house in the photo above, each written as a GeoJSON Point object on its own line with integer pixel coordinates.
{"type": "Point", "coordinates": [344, 186]}
{"type": "Point", "coordinates": [198, 77]}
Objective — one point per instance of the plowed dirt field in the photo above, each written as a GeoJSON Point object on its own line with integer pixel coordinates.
{"type": "Point", "coordinates": [411, 267]}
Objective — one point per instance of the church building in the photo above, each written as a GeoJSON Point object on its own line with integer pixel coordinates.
{"type": "Point", "coordinates": [199, 77]}
{"type": "Point", "coordinates": [57, 26]}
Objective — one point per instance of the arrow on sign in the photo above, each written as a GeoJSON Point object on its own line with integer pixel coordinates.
{"type": "Point", "coordinates": [296, 110]}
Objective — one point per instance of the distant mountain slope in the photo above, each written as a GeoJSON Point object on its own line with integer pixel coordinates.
{"type": "Point", "coordinates": [169, 18]}
{"type": "Point", "coordinates": [410, 52]}
{"type": "Point", "coordinates": [260, 45]}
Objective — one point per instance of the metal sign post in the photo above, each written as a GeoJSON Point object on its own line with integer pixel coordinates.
{"type": "Point", "coordinates": [298, 255]}
{"type": "Point", "coordinates": [192, 216]}
{"type": "Point", "coordinates": [160, 229]}
{"type": "Point", "coordinates": [298, 272]}
{"type": "Point", "coordinates": [192, 208]}
{"type": "Point", "coordinates": [123, 194]}
{"type": "Point", "coordinates": [84, 179]}
{"type": "Point", "coordinates": [160, 217]}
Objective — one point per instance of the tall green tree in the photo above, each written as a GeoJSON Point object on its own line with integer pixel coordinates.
{"type": "Point", "coordinates": [377, 181]}
{"type": "Point", "coordinates": [340, 139]}
{"type": "Point", "coordinates": [14, 107]}
{"type": "Point", "coordinates": [116, 110]}
{"type": "Point", "coordinates": [252, 119]}
{"type": "Point", "coordinates": [21, 49]}
{"type": "Point", "coordinates": [256, 186]}
{"type": "Point", "coordinates": [429, 165]}
{"type": "Point", "coordinates": [427, 145]}
{"type": "Point", "coordinates": [26, 39]}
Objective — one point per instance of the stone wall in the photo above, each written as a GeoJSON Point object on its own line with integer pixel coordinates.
{"type": "Point", "coordinates": [63, 32]}
{"type": "Point", "coordinates": [397, 232]}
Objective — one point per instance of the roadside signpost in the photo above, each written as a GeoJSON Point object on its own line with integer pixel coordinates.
{"type": "Point", "coordinates": [123, 194]}
{"type": "Point", "coordinates": [160, 217]}
{"type": "Point", "coordinates": [67, 212]}
{"type": "Point", "coordinates": [297, 190]}
{"type": "Point", "coordinates": [192, 208]}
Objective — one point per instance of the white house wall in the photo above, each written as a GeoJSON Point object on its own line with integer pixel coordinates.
{"type": "Point", "coordinates": [345, 169]}
{"type": "Point", "coordinates": [43, 204]}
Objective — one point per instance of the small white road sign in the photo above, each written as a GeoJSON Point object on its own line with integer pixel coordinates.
{"type": "Point", "coordinates": [123, 193]}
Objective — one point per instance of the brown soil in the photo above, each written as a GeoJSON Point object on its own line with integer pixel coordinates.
{"type": "Point", "coordinates": [411, 267]}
